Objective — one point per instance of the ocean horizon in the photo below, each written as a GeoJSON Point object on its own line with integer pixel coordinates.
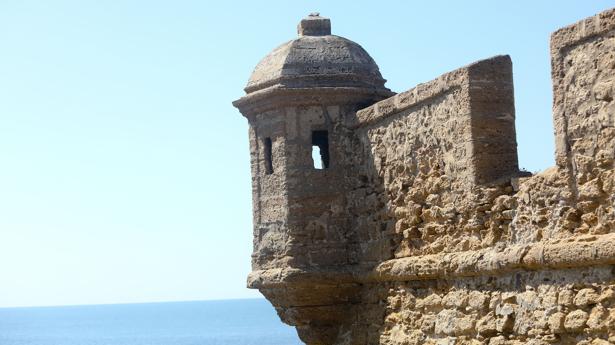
{"type": "Point", "coordinates": [215, 322]}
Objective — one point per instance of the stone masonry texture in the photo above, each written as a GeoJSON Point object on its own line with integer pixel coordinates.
{"type": "Point", "coordinates": [417, 226]}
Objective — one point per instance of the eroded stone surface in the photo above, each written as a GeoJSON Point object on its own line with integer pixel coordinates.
{"type": "Point", "coordinates": [421, 229]}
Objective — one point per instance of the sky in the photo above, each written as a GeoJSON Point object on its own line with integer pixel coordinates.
{"type": "Point", "coordinates": [124, 173]}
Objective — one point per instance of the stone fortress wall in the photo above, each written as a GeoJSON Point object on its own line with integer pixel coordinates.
{"type": "Point", "coordinates": [423, 230]}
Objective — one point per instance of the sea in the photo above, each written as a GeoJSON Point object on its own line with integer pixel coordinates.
{"type": "Point", "coordinates": [226, 322]}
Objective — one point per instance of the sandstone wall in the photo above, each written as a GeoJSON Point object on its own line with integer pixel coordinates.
{"type": "Point", "coordinates": [583, 60]}
{"type": "Point", "coordinates": [270, 197]}
{"type": "Point", "coordinates": [423, 230]}
{"type": "Point", "coordinates": [431, 156]}
{"type": "Point", "coordinates": [473, 254]}
{"type": "Point", "coordinates": [573, 306]}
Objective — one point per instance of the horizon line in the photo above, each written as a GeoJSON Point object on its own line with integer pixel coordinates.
{"type": "Point", "coordinates": [127, 303]}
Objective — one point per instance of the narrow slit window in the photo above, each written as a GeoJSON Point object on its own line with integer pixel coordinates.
{"type": "Point", "coordinates": [268, 157]}
{"type": "Point", "coordinates": [320, 149]}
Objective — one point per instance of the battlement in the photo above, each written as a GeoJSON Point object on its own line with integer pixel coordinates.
{"type": "Point", "coordinates": [582, 60]}
{"type": "Point", "coordinates": [417, 226]}
{"type": "Point", "coordinates": [478, 122]}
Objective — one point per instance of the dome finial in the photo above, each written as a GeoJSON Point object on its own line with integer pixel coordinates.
{"type": "Point", "coordinates": [314, 25]}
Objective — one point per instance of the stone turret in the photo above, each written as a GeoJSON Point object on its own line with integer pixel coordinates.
{"type": "Point", "coordinates": [302, 98]}
{"type": "Point", "coordinates": [413, 223]}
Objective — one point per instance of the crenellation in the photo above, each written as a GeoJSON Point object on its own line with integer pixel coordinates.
{"type": "Point", "coordinates": [419, 227]}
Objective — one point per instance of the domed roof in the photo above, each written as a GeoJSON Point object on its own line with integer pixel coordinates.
{"type": "Point", "coordinates": [317, 59]}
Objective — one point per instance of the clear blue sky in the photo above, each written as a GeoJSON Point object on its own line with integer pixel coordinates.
{"type": "Point", "coordinates": [124, 170]}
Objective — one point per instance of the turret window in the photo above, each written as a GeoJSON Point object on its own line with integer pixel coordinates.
{"type": "Point", "coordinates": [320, 149]}
{"type": "Point", "coordinates": [268, 156]}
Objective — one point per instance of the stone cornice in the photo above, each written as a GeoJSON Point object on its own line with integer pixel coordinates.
{"type": "Point", "coordinates": [583, 251]}
{"type": "Point", "coordinates": [575, 252]}
{"type": "Point", "coordinates": [279, 96]}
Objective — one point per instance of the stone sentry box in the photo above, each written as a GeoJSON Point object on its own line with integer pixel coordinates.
{"type": "Point", "coordinates": [303, 94]}
{"type": "Point", "coordinates": [420, 228]}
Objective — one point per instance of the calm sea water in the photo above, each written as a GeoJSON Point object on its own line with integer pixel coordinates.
{"type": "Point", "coordinates": [230, 322]}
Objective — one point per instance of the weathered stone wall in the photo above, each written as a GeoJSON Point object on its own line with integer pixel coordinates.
{"type": "Point", "coordinates": [423, 230]}
{"type": "Point", "coordinates": [429, 162]}
{"type": "Point", "coordinates": [572, 306]}
{"type": "Point", "coordinates": [583, 60]}
{"type": "Point", "coordinates": [504, 260]}
{"type": "Point", "coordinates": [270, 197]}
{"type": "Point", "coordinates": [319, 225]}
